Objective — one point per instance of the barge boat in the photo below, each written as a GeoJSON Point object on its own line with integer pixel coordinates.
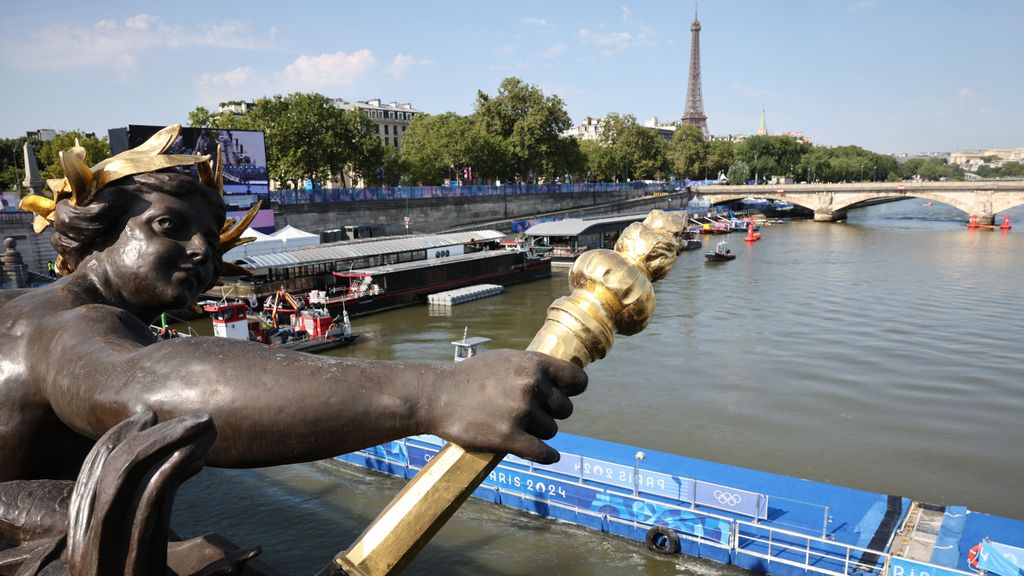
{"type": "Point", "coordinates": [375, 274]}
{"type": "Point", "coordinates": [758, 521]}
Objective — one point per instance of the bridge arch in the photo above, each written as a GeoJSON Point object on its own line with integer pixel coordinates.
{"type": "Point", "coordinates": [832, 201]}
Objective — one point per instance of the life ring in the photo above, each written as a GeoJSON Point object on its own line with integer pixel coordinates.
{"type": "Point", "coordinates": [972, 556]}
{"type": "Point", "coordinates": [662, 540]}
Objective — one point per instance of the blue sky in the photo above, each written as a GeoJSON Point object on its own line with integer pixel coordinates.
{"type": "Point", "coordinates": [907, 76]}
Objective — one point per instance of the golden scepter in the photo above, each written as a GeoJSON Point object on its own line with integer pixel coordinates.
{"type": "Point", "coordinates": [611, 292]}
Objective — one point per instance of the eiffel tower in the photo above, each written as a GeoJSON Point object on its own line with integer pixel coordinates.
{"type": "Point", "coordinates": [694, 114]}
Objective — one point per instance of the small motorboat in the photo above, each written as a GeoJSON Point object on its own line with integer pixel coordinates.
{"type": "Point", "coordinates": [721, 253]}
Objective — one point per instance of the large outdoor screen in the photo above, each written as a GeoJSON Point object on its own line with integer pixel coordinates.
{"type": "Point", "coordinates": [244, 153]}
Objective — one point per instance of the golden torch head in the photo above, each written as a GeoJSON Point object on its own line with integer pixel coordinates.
{"type": "Point", "coordinates": [653, 244]}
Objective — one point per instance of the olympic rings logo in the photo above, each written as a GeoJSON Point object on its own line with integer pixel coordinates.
{"type": "Point", "coordinates": [728, 498]}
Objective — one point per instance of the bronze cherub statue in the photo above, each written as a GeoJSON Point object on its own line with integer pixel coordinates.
{"type": "Point", "coordinates": [135, 237]}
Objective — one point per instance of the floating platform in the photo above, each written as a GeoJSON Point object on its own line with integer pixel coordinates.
{"type": "Point", "coordinates": [755, 520]}
{"type": "Point", "coordinates": [467, 294]}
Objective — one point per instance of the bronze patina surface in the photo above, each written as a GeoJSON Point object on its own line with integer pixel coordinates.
{"type": "Point", "coordinates": [78, 359]}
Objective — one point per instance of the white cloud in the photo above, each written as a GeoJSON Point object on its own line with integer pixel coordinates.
{"type": "Point", "coordinates": [307, 72]}
{"type": "Point", "coordinates": [965, 93]}
{"type": "Point", "coordinates": [335, 69]}
{"type": "Point", "coordinates": [237, 84]}
{"type": "Point", "coordinates": [859, 5]}
{"type": "Point", "coordinates": [232, 34]}
{"type": "Point", "coordinates": [607, 43]}
{"type": "Point", "coordinates": [121, 43]}
{"type": "Point", "coordinates": [610, 43]}
{"type": "Point", "coordinates": [401, 63]}
{"type": "Point", "coordinates": [554, 51]}
{"type": "Point", "coordinates": [233, 78]}
{"type": "Point", "coordinates": [141, 22]}
{"type": "Point", "coordinates": [536, 22]}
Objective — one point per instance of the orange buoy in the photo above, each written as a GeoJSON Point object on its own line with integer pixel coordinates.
{"type": "Point", "coordinates": [974, 222]}
{"type": "Point", "coordinates": [751, 235]}
{"type": "Point", "coordinates": [1006, 223]}
{"type": "Point", "coordinates": [972, 555]}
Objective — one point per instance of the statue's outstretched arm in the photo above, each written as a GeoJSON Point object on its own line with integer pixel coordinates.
{"type": "Point", "coordinates": [274, 406]}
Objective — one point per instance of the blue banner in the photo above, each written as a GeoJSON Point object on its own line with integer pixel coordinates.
{"type": "Point", "coordinates": [525, 484]}
{"type": "Point", "coordinates": [620, 476]}
{"type": "Point", "coordinates": [568, 465]}
{"type": "Point", "coordinates": [598, 501]}
{"type": "Point", "coordinates": [1001, 559]}
{"type": "Point", "coordinates": [903, 567]}
{"type": "Point", "coordinates": [732, 499]}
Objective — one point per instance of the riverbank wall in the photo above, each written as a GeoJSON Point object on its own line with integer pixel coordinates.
{"type": "Point", "coordinates": [443, 214]}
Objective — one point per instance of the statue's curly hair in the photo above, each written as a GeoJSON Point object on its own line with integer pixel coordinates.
{"type": "Point", "coordinates": [82, 230]}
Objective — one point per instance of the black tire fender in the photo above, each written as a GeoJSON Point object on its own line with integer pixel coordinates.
{"type": "Point", "coordinates": [662, 540]}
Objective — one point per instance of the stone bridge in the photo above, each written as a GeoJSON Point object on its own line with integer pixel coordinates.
{"type": "Point", "coordinates": [830, 202]}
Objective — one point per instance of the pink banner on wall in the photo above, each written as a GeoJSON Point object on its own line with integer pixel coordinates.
{"type": "Point", "coordinates": [264, 221]}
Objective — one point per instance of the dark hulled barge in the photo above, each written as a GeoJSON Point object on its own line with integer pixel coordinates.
{"type": "Point", "coordinates": [371, 275]}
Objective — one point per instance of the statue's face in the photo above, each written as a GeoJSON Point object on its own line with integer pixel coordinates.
{"type": "Point", "coordinates": [167, 253]}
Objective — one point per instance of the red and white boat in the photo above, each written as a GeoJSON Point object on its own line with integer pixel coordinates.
{"type": "Point", "coordinates": [310, 328]}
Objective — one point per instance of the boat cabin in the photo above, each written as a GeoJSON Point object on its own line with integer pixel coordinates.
{"type": "Point", "coordinates": [467, 347]}
{"type": "Point", "coordinates": [564, 240]}
{"type": "Point", "coordinates": [304, 269]}
{"type": "Point", "coordinates": [230, 319]}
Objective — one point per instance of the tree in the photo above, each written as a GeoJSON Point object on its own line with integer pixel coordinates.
{"type": "Point", "coordinates": [756, 152]}
{"type": "Point", "coordinates": [393, 169]}
{"type": "Point", "coordinates": [720, 157]}
{"type": "Point", "coordinates": [689, 152]}
{"type": "Point", "coordinates": [815, 165]}
{"type": "Point", "coordinates": [96, 149]}
{"type": "Point", "coordinates": [308, 138]}
{"type": "Point", "coordinates": [739, 172]}
{"type": "Point", "coordinates": [601, 164]}
{"type": "Point", "coordinates": [364, 154]}
{"type": "Point", "coordinates": [634, 151]}
{"type": "Point", "coordinates": [530, 125]}
{"type": "Point", "coordinates": [1012, 169]}
{"type": "Point", "coordinates": [12, 160]}
{"type": "Point", "coordinates": [203, 118]}
{"type": "Point", "coordinates": [930, 169]}
{"type": "Point", "coordinates": [439, 146]}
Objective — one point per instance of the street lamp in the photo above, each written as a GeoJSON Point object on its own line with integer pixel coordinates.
{"type": "Point", "coordinates": [17, 175]}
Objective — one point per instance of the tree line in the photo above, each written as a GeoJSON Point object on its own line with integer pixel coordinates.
{"type": "Point", "coordinates": [512, 136]}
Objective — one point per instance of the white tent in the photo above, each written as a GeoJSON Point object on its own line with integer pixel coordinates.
{"type": "Point", "coordinates": [294, 238]}
{"type": "Point", "coordinates": [264, 244]}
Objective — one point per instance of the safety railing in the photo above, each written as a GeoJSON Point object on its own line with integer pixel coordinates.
{"type": "Point", "coordinates": [810, 553]}
{"type": "Point", "coordinates": [422, 192]}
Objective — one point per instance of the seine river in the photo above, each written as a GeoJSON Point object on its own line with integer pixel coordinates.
{"type": "Point", "coordinates": [883, 354]}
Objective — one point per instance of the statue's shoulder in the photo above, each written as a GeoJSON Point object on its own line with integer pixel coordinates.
{"type": "Point", "coordinates": [8, 295]}
{"type": "Point", "coordinates": [60, 308]}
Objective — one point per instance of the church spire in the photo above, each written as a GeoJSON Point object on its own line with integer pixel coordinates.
{"type": "Point", "coordinates": [762, 129]}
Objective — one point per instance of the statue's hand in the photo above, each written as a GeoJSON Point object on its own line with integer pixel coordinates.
{"type": "Point", "coordinates": [504, 401]}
